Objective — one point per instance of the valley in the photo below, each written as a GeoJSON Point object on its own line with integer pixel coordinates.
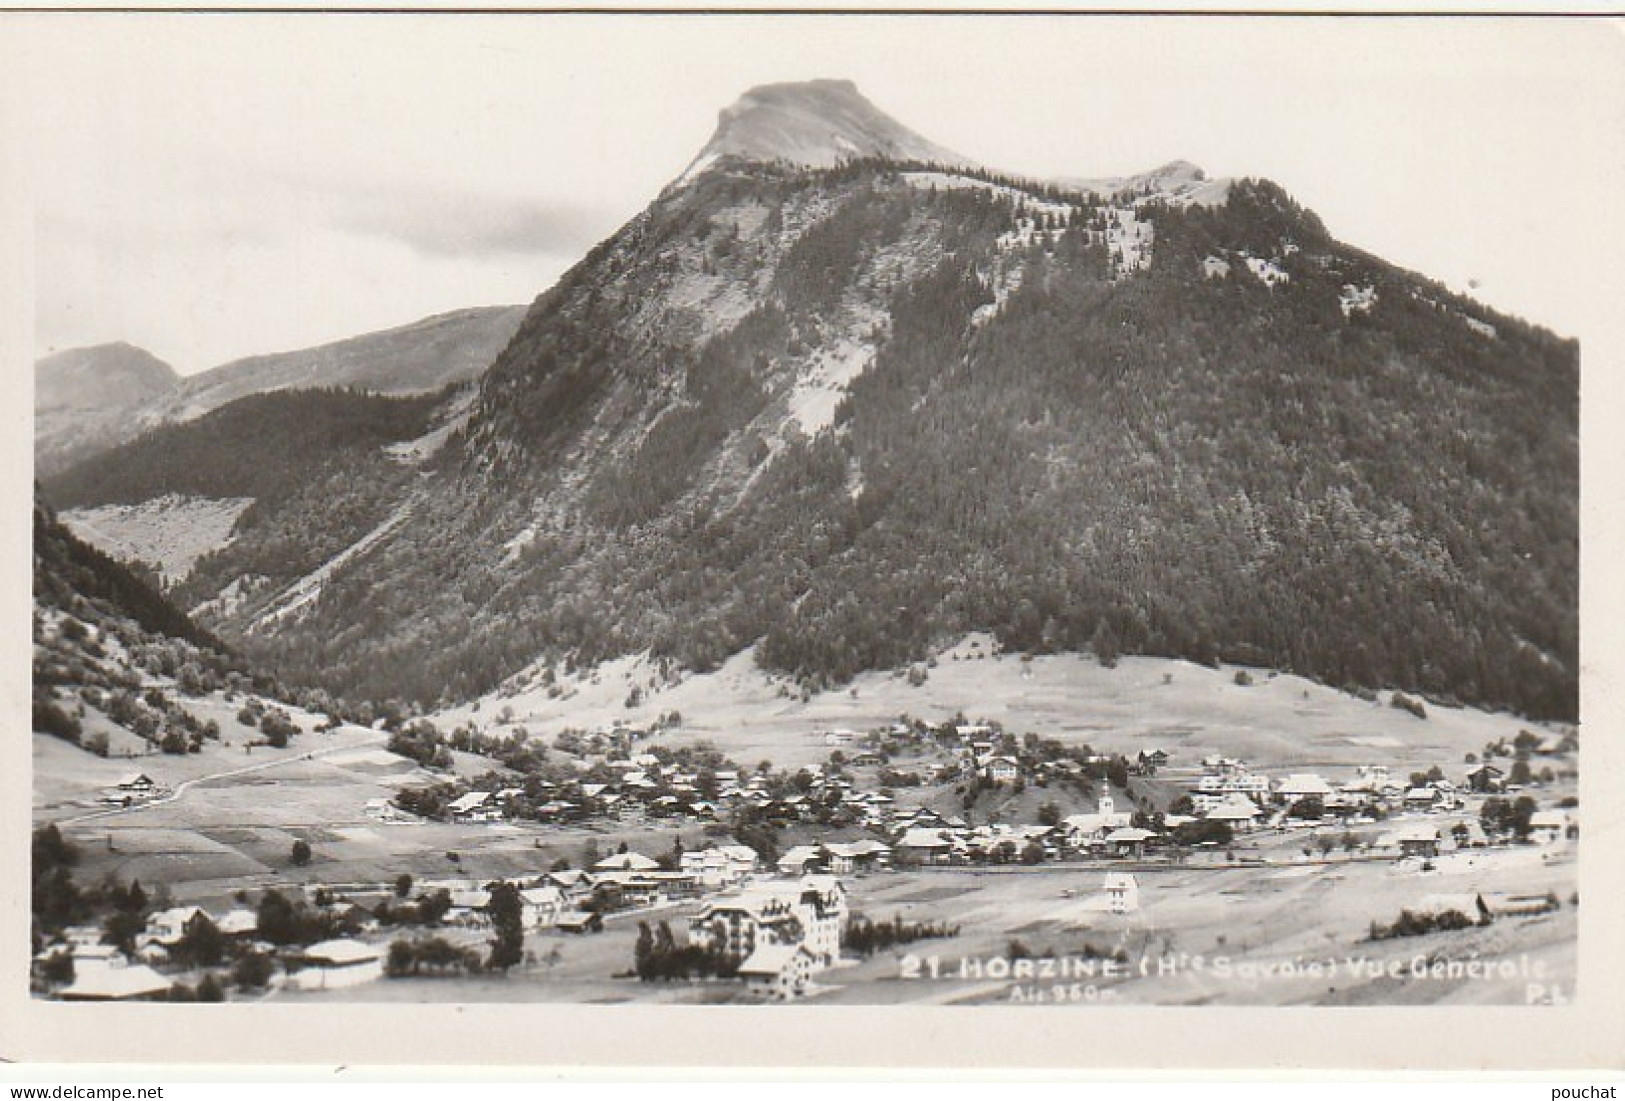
{"type": "Point", "coordinates": [865, 577]}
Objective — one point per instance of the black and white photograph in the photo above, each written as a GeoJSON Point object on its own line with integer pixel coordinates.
{"type": "Point", "coordinates": [647, 513]}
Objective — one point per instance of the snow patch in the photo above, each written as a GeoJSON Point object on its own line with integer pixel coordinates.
{"type": "Point", "coordinates": [1482, 328]}
{"type": "Point", "coordinates": [170, 532]}
{"type": "Point", "coordinates": [821, 388]}
{"type": "Point", "coordinates": [1215, 267]}
{"type": "Point", "coordinates": [1355, 299]}
{"type": "Point", "coordinates": [1268, 272]}
{"type": "Point", "coordinates": [1128, 240]}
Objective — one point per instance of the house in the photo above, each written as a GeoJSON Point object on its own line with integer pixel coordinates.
{"type": "Point", "coordinates": [719, 865]}
{"type": "Point", "coordinates": [543, 905]}
{"type": "Point", "coordinates": [239, 923]}
{"type": "Point", "coordinates": [1002, 770]}
{"type": "Point", "coordinates": [571, 882]}
{"type": "Point", "coordinates": [1239, 813]}
{"type": "Point", "coordinates": [1301, 785]}
{"type": "Point", "coordinates": [332, 964]}
{"type": "Point", "coordinates": [1486, 779]}
{"type": "Point", "coordinates": [1128, 841]}
{"type": "Point", "coordinates": [924, 846]}
{"type": "Point", "coordinates": [471, 807]}
{"type": "Point", "coordinates": [626, 862]}
{"type": "Point", "coordinates": [580, 921]}
{"type": "Point", "coordinates": [468, 907]}
{"type": "Point", "coordinates": [840, 737]}
{"type": "Point", "coordinates": [1554, 745]}
{"type": "Point", "coordinates": [136, 782]}
{"type": "Point", "coordinates": [1415, 842]}
{"type": "Point", "coordinates": [109, 977]}
{"type": "Point", "coordinates": [781, 971]}
{"type": "Point", "coordinates": [169, 926]}
{"type": "Point", "coordinates": [1548, 826]}
{"type": "Point", "coordinates": [1122, 893]}
{"type": "Point", "coordinates": [847, 857]}
{"type": "Point", "coordinates": [800, 860]}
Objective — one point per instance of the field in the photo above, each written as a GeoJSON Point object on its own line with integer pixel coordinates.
{"type": "Point", "coordinates": [1263, 928]}
{"type": "Point", "coordinates": [1204, 935]}
{"type": "Point", "coordinates": [1280, 721]}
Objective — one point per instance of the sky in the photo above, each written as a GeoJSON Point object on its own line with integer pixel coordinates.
{"type": "Point", "coordinates": [209, 187]}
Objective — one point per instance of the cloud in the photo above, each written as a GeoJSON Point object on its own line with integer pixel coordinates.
{"type": "Point", "coordinates": [443, 224]}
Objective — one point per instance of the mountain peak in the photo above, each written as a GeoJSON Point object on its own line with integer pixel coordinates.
{"type": "Point", "coordinates": [102, 376]}
{"type": "Point", "coordinates": [813, 124]}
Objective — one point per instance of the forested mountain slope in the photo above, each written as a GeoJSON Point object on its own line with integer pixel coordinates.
{"type": "Point", "coordinates": [851, 411]}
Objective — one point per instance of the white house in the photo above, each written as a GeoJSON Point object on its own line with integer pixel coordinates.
{"type": "Point", "coordinates": [1122, 893]}
{"type": "Point", "coordinates": [1002, 770]}
{"type": "Point", "coordinates": [169, 926]}
{"type": "Point", "coordinates": [719, 865]}
{"type": "Point", "coordinates": [543, 905]}
{"type": "Point", "coordinates": [780, 971]}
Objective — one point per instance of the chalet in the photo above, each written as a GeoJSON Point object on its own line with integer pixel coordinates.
{"type": "Point", "coordinates": [1002, 770]}
{"type": "Point", "coordinates": [1240, 814]}
{"type": "Point", "coordinates": [1486, 779]}
{"type": "Point", "coordinates": [1554, 745]}
{"type": "Point", "coordinates": [924, 846]}
{"type": "Point", "coordinates": [543, 906]}
{"type": "Point", "coordinates": [474, 806]}
{"type": "Point", "coordinates": [781, 971]}
{"type": "Point", "coordinates": [136, 783]}
{"type": "Point", "coordinates": [800, 860]}
{"type": "Point", "coordinates": [719, 865]}
{"type": "Point", "coordinates": [1122, 893]}
{"type": "Point", "coordinates": [109, 977]}
{"type": "Point", "coordinates": [239, 923]}
{"type": "Point", "coordinates": [1548, 826]}
{"type": "Point", "coordinates": [840, 737]}
{"type": "Point", "coordinates": [169, 926]}
{"type": "Point", "coordinates": [1415, 842]}
{"type": "Point", "coordinates": [868, 757]}
{"type": "Point", "coordinates": [848, 857]}
{"type": "Point", "coordinates": [1301, 785]}
{"type": "Point", "coordinates": [1129, 841]}
{"type": "Point", "coordinates": [332, 964]}
{"type": "Point", "coordinates": [628, 890]}
{"type": "Point", "coordinates": [580, 921]}
{"type": "Point", "coordinates": [626, 862]}
{"type": "Point", "coordinates": [468, 907]}
{"type": "Point", "coordinates": [1422, 798]}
